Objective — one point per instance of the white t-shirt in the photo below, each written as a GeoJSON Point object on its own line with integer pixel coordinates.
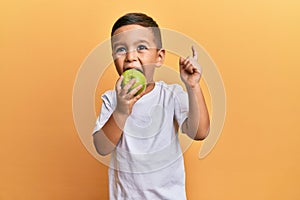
{"type": "Point", "coordinates": [147, 163]}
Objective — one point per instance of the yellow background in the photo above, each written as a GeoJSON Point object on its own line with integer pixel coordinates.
{"type": "Point", "coordinates": [255, 45]}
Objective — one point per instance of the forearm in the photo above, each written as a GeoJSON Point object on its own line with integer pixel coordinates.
{"type": "Point", "coordinates": [106, 139]}
{"type": "Point", "coordinates": [197, 123]}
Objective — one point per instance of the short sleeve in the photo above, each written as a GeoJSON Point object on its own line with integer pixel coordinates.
{"type": "Point", "coordinates": [107, 108]}
{"type": "Point", "coordinates": [181, 104]}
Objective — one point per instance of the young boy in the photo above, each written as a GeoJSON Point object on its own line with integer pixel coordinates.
{"type": "Point", "coordinates": [141, 131]}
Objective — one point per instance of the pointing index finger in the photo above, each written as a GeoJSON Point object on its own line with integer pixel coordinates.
{"type": "Point", "coordinates": [195, 53]}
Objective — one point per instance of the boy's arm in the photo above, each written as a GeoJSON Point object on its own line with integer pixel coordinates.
{"type": "Point", "coordinates": [196, 126]}
{"type": "Point", "coordinates": [106, 139]}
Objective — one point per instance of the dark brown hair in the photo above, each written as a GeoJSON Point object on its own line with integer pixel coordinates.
{"type": "Point", "coordinates": [139, 19]}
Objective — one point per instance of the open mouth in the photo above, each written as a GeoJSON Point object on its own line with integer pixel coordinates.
{"type": "Point", "coordinates": [135, 69]}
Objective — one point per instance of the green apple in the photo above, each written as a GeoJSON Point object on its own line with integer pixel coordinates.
{"type": "Point", "coordinates": [139, 77]}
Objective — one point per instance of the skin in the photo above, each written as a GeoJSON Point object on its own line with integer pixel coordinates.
{"type": "Point", "coordinates": [134, 47]}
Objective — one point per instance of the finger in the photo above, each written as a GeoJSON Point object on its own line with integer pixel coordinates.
{"type": "Point", "coordinates": [190, 69]}
{"type": "Point", "coordinates": [137, 97]}
{"type": "Point", "coordinates": [118, 84]}
{"type": "Point", "coordinates": [187, 60]}
{"type": "Point", "coordinates": [181, 60]}
{"type": "Point", "coordinates": [189, 63]}
{"type": "Point", "coordinates": [195, 53]}
{"type": "Point", "coordinates": [181, 65]}
{"type": "Point", "coordinates": [194, 69]}
{"type": "Point", "coordinates": [128, 85]}
{"type": "Point", "coordinates": [134, 91]}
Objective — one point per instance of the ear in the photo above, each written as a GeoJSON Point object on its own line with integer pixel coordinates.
{"type": "Point", "coordinates": [160, 57]}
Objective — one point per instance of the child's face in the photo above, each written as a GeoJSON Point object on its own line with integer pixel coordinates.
{"type": "Point", "coordinates": [134, 46]}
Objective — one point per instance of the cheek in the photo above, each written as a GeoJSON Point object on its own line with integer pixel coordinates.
{"type": "Point", "coordinates": [146, 59]}
{"type": "Point", "coordinates": [119, 66]}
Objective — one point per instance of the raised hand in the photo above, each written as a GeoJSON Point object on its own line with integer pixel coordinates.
{"type": "Point", "coordinates": [190, 69]}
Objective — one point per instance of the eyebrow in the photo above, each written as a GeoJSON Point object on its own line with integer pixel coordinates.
{"type": "Point", "coordinates": [142, 41]}
{"type": "Point", "coordinates": [122, 43]}
{"type": "Point", "coordinates": [117, 44]}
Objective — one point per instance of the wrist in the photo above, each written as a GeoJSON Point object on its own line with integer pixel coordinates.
{"type": "Point", "coordinates": [191, 87]}
{"type": "Point", "coordinates": [120, 118]}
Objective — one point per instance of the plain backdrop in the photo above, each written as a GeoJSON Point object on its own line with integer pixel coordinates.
{"type": "Point", "coordinates": [255, 45]}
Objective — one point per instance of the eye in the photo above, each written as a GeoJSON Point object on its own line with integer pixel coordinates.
{"type": "Point", "coordinates": [121, 50]}
{"type": "Point", "coordinates": [142, 47]}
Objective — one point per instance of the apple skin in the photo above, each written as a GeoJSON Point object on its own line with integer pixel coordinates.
{"type": "Point", "coordinates": [139, 77]}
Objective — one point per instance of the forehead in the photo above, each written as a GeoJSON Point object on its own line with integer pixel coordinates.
{"type": "Point", "coordinates": [132, 33]}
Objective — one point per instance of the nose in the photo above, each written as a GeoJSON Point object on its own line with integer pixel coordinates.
{"type": "Point", "coordinates": [131, 56]}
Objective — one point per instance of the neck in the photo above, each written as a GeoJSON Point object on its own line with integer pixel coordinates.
{"type": "Point", "coordinates": [149, 87]}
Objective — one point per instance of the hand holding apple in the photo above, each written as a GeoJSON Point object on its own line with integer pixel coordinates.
{"type": "Point", "coordinates": [130, 87]}
{"type": "Point", "coordinates": [139, 80]}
